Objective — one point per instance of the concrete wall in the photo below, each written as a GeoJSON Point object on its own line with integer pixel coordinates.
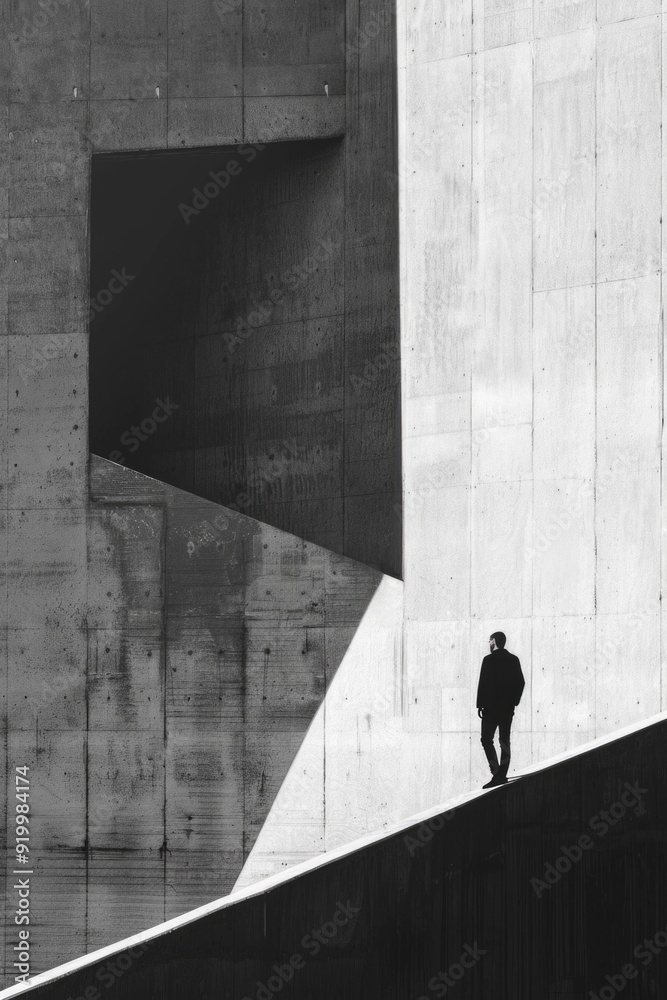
{"type": "Point", "coordinates": [279, 303]}
{"type": "Point", "coordinates": [531, 255]}
{"type": "Point", "coordinates": [530, 172]}
{"type": "Point", "coordinates": [156, 750]}
{"type": "Point", "coordinates": [78, 79]}
{"type": "Point", "coordinates": [530, 167]}
{"type": "Point", "coordinates": [359, 765]}
{"type": "Point", "coordinates": [237, 315]}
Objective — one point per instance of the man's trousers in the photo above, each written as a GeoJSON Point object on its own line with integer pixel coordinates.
{"type": "Point", "coordinates": [500, 719]}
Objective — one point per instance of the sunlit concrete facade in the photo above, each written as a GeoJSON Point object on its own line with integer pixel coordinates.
{"type": "Point", "coordinates": [531, 287]}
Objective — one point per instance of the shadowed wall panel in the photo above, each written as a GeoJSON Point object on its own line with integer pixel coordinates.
{"type": "Point", "coordinates": [206, 668]}
{"type": "Point", "coordinates": [234, 307]}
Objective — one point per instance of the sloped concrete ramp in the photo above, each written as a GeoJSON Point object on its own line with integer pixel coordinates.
{"type": "Point", "coordinates": [550, 887]}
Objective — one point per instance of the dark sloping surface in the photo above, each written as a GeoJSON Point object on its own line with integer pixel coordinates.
{"type": "Point", "coordinates": [484, 899]}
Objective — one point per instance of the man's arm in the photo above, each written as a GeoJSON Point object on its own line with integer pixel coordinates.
{"type": "Point", "coordinates": [481, 687]}
{"type": "Point", "coordinates": [519, 681]}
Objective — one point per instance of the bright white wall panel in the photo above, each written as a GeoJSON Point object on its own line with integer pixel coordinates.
{"type": "Point", "coordinates": [564, 384]}
{"type": "Point", "coordinates": [629, 149]}
{"type": "Point", "coordinates": [564, 165]}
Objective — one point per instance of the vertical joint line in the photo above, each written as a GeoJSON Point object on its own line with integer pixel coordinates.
{"type": "Point", "coordinates": [595, 375]}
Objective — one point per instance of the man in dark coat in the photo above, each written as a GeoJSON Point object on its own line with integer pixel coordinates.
{"type": "Point", "coordinates": [501, 685]}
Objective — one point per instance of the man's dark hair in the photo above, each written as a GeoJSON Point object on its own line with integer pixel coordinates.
{"type": "Point", "coordinates": [500, 639]}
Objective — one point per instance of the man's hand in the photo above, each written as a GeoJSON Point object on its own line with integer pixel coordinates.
{"type": "Point", "coordinates": [479, 712]}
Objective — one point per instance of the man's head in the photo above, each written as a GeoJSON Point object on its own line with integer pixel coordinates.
{"type": "Point", "coordinates": [497, 641]}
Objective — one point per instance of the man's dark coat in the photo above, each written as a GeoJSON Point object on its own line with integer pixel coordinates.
{"type": "Point", "coordinates": [501, 681]}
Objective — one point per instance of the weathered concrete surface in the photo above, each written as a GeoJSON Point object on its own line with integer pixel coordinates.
{"type": "Point", "coordinates": [244, 629]}
{"type": "Point", "coordinates": [356, 768]}
{"type": "Point", "coordinates": [88, 77]}
{"type": "Point", "coordinates": [533, 361]}
{"type": "Point", "coordinates": [159, 732]}
{"type": "Point", "coordinates": [532, 413]}
{"type": "Point", "coordinates": [382, 759]}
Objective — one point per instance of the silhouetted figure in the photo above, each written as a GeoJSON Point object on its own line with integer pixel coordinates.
{"type": "Point", "coordinates": [501, 685]}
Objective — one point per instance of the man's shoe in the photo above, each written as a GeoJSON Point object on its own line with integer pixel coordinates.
{"type": "Point", "coordinates": [495, 782]}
